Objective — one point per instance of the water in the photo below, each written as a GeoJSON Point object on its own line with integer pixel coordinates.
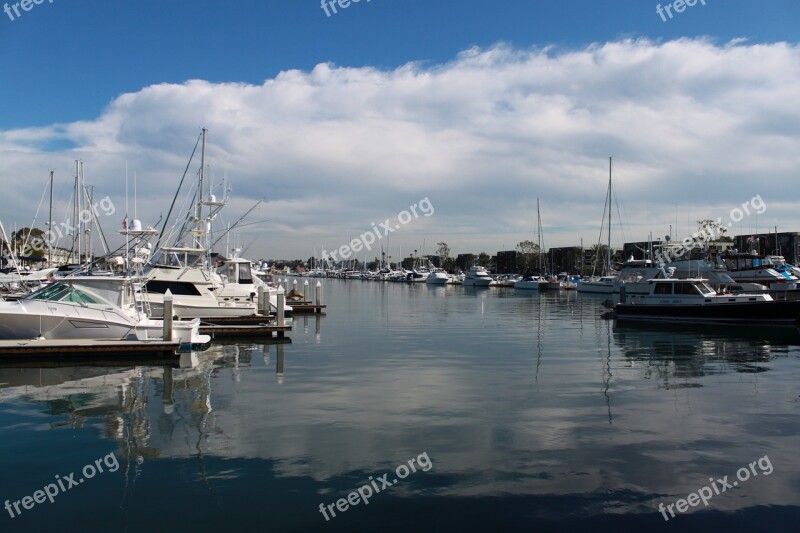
{"type": "Point", "coordinates": [520, 411]}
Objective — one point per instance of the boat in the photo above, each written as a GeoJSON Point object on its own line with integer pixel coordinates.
{"type": "Point", "coordinates": [531, 283]}
{"type": "Point", "coordinates": [604, 284]}
{"type": "Point", "coordinates": [88, 307]}
{"type": "Point", "coordinates": [240, 284]}
{"type": "Point", "coordinates": [694, 300]}
{"type": "Point", "coordinates": [477, 276]}
{"type": "Point", "coordinates": [438, 276]}
{"type": "Point", "coordinates": [551, 283]}
{"type": "Point", "coordinates": [756, 268]}
{"type": "Point", "coordinates": [601, 285]}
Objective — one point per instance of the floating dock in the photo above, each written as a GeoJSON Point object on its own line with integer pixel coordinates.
{"type": "Point", "coordinates": [305, 307]}
{"type": "Point", "coordinates": [256, 330]}
{"type": "Point", "coordinates": [84, 348]}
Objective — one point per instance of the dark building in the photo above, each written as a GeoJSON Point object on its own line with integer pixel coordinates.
{"type": "Point", "coordinates": [464, 261]}
{"type": "Point", "coordinates": [566, 259]}
{"type": "Point", "coordinates": [641, 250]}
{"type": "Point", "coordinates": [786, 244]}
{"type": "Point", "coordinates": [506, 262]}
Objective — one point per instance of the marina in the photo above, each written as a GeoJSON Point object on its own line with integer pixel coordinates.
{"type": "Point", "coordinates": [399, 266]}
{"type": "Point", "coordinates": [526, 394]}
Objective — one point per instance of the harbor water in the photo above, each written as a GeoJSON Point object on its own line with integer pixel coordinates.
{"type": "Point", "coordinates": [409, 407]}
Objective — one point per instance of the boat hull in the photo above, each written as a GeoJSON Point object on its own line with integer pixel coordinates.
{"type": "Point", "coordinates": [772, 312]}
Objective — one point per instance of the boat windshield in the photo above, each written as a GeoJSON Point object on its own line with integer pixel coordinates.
{"type": "Point", "coordinates": [704, 288]}
{"type": "Point", "coordinates": [64, 292]}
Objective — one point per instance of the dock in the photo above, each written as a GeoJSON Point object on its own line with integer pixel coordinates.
{"type": "Point", "coordinates": [305, 307]}
{"type": "Point", "coordinates": [256, 330]}
{"type": "Point", "coordinates": [84, 348]}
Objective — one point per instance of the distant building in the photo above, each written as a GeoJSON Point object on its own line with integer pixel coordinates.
{"type": "Point", "coordinates": [464, 261]}
{"type": "Point", "coordinates": [564, 259]}
{"type": "Point", "coordinates": [506, 262]}
{"type": "Point", "coordinates": [785, 243]}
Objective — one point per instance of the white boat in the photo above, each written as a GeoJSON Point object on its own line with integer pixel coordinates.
{"type": "Point", "coordinates": [607, 283]}
{"type": "Point", "coordinates": [754, 268]}
{"type": "Point", "coordinates": [530, 283]}
{"type": "Point", "coordinates": [88, 307]}
{"type": "Point", "coordinates": [601, 285]}
{"type": "Point", "coordinates": [239, 285]}
{"type": "Point", "coordinates": [438, 276]}
{"type": "Point", "coordinates": [551, 284]}
{"type": "Point", "coordinates": [695, 301]}
{"type": "Point", "coordinates": [477, 276]}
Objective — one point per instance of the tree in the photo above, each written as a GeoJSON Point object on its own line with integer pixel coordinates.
{"type": "Point", "coordinates": [712, 230]}
{"type": "Point", "coordinates": [527, 256]}
{"type": "Point", "coordinates": [484, 259]}
{"type": "Point", "coordinates": [443, 250]}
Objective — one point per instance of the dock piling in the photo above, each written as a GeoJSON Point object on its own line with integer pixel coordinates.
{"type": "Point", "coordinates": [167, 332]}
{"type": "Point", "coordinates": [279, 318]}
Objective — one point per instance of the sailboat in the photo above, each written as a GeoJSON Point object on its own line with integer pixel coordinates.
{"type": "Point", "coordinates": [534, 282]}
{"type": "Point", "coordinates": [606, 283]}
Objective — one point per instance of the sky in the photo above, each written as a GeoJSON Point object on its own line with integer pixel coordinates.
{"type": "Point", "coordinates": [342, 121]}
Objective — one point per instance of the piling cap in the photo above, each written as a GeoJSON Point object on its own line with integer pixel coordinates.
{"type": "Point", "coordinates": [168, 295]}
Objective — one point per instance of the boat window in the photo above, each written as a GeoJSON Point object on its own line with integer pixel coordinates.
{"type": "Point", "coordinates": [663, 288]}
{"type": "Point", "coordinates": [685, 288]}
{"type": "Point", "coordinates": [175, 287]}
{"type": "Point", "coordinates": [80, 297]}
{"type": "Point", "coordinates": [245, 275]}
{"type": "Point", "coordinates": [53, 292]}
{"type": "Point", "coordinates": [704, 288]}
{"type": "Point", "coordinates": [62, 292]}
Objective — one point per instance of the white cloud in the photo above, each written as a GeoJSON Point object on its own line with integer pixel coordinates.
{"type": "Point", "coordinates": [695, 128]}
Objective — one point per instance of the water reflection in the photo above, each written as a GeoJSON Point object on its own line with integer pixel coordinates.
{"type": "Point", "coordinates": [530, 402]}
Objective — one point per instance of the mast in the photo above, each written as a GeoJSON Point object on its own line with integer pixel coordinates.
{"type": "Point", "coordinates": [202, 171]}
{"type": "Point", "coordinates": [609, 218]}
{"type": "Point", "coordinates": [539, 234]}
{"type": "Point", "coordinates": [50, 226]}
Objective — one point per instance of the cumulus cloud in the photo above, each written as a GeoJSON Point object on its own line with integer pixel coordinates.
{"type": "Point", "coordinates": [695, 128]}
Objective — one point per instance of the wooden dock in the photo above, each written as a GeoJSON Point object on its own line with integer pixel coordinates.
{"type": "Point", "coordinates": [305, 307]}
{"type": "Point", "coordinates": [87, 348]}
{"type": "Point", "coordinates": [256, 330]}
{"type": "Point", "coordinates": [252, 320]}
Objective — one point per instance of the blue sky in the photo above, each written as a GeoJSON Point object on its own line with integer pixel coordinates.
{"type": "Point", "coordinates": [66, 65]}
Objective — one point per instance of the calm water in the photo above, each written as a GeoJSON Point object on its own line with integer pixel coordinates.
{"type": "Point", "coordinates": [521, 411]}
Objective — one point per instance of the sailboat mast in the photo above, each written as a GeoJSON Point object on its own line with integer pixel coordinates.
{"type": "Point", "coordinates": [50, 226]}
{"type": "Point", "coordinates": [539, 234]}
{"type": "Point", "coordinates": [202, 171]}
{"type": "Point", "coordinates": [609, 217]}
